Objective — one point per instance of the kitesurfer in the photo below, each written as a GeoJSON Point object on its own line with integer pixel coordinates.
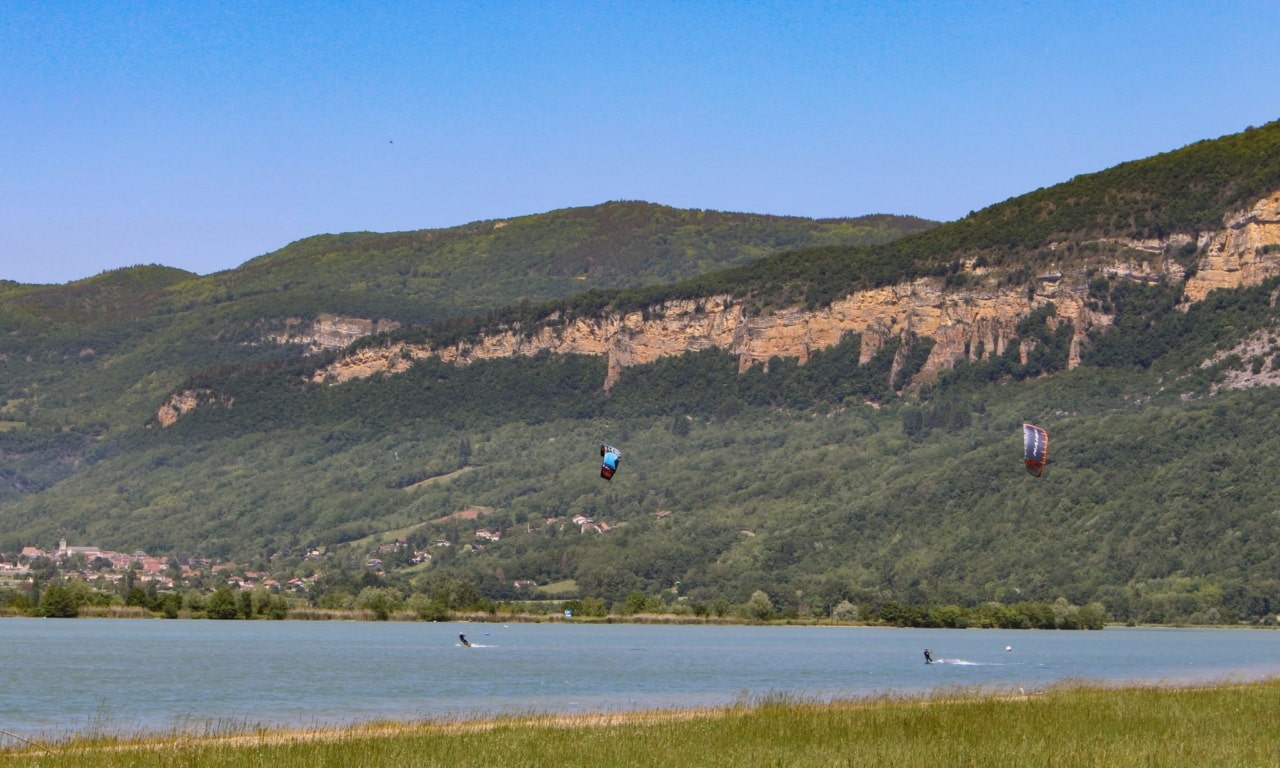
{"type": "Point", "coordinates": [464, 640]}
{"type": "Point", "coordinates": [928, 656]}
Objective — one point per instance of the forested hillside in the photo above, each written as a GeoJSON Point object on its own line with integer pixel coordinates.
{"type": "Point", "coordinates": [98, 356]}
{"type": "Point", "coordinates": [819, 484]}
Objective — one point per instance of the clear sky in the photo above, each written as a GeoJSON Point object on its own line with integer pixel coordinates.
{"type": "Point", "coordinates": [202, 134]}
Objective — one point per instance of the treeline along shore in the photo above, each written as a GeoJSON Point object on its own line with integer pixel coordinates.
{"type": "Point", "coordinates": [224, 604]}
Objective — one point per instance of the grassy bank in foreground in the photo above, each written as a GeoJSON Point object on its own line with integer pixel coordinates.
{"type": "Point", "coordinates": [1068, 725]}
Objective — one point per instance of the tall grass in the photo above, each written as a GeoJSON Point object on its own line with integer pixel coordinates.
{"type": "Point", "coordinates": [1067, 725]}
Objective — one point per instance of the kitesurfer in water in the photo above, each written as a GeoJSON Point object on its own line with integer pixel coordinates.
{"type": "Point", "coordinates": [464, 640]}
{"type": "Point", "coordinates": [928, 656]}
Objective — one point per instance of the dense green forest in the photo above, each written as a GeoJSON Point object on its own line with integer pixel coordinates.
{"type": "Point", "coordinates": [784, 482]}
{"type": "Point", "coordinates": [817, 486]}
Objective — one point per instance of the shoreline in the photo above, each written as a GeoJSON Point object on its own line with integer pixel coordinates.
{"type": "Point", "coordinates": [405, 617]}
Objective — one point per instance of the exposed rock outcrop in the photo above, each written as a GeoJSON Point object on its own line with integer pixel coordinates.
{"type": "Point", "coordinates": [182, 403]}
{"type": "Point", "coordinates": [1245, 252]}
{"type": "Point", "coordinates": [973, 323]}
{"type": "Point", "coordinates": [330, 331]}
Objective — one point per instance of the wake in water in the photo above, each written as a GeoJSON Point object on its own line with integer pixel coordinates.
{"type": "Point", "coordinates": [968, 663]}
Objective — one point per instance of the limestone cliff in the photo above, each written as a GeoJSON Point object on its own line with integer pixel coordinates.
{"type": "Point", "coordinates": [975, 322]}
{"type": "Point", "coordinates": [1245, 252]}
{"type": "Point", "coordinates": [330, 331]}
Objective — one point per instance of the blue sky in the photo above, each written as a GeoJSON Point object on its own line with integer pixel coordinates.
{"type": "Point", "coordinates": [202, 134]}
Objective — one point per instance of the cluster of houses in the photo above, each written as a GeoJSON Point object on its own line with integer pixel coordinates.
{"type": "Point", "coordinates": [152, 567]}
{"type": "Point", "coordinates": [95, 562]}
{"type": "Point", "coordinates": [586, 524]}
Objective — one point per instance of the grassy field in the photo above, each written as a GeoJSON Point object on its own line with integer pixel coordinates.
{"type": "Point", "coordinates": [1067, 725]}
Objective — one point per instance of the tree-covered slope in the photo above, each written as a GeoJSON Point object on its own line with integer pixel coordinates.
{"type": "Point", "coordinates": [106, 350]}
{"type": "Point", "coordinates": [1153, 504]}
{"type": "Point", "coordinates": [814, 483]}
{"type": "Point", "coordinates": [783, 481]}
{"type": "Point", "coordinates": [424, 276]}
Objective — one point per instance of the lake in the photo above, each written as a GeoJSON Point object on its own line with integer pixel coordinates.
{"type": "Point", "coordinates": [106, 675]}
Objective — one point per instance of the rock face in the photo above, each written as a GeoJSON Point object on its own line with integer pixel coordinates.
{"type": "Point", "coordinates": [178, 405]}
{"type": "Point", "coordinates": [1245, 252]}
{"type": "Point", "coordinates": [330, 331]}
{"type": "Point", "coordinates": [974, 323]}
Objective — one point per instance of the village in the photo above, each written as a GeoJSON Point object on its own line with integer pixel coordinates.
{"type": "Point", "coordinates": [110, 571]}
{"type": "Point", "coordinates": [104, 567]}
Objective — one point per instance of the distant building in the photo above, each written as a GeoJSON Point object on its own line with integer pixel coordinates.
{"type": "Point", "coordinates": [89, 552]}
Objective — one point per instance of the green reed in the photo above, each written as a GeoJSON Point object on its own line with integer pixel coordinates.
{"type": "Point", "coordinates": [1066, 725]}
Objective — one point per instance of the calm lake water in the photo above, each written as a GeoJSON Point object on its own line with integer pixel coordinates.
{"type": "Point", "coordinates": [63, 676]}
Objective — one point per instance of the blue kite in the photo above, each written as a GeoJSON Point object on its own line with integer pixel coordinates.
{"type": "Point", "coordinates": [609, 461]}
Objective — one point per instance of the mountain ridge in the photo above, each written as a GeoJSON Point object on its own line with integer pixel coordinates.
{"type": "Point", "coordinates": [970, 312]}
{"type": "Point", "coordinates": [78, 344]}
{"type": "Point", "coordinates": [885, 469]}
